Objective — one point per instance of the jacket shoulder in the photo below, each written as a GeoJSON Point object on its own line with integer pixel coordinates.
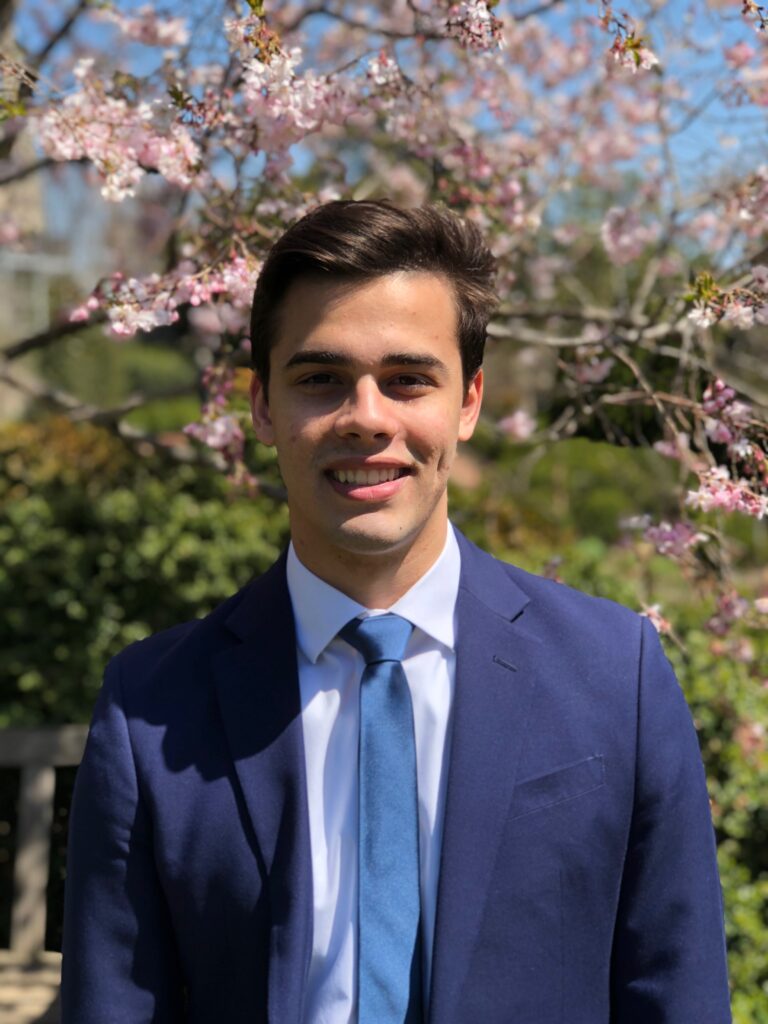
{"type": "Point", "coordinates": [539, 595]}
{"type": "Point", "coordinates": [177, 660]}
{"type": "Point", "coordinates": [564, 599]}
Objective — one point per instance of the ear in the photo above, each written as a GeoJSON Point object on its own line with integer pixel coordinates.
{"type": "Point", "coordinates": [470, 407]}
{"type": "Point", "coordinates": [262, 421]}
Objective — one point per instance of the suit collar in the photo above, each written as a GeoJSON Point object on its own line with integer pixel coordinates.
{"type": "Point", "coordinates": [485, 578]}
{"type": "Point", "coordinates": [489, 582]}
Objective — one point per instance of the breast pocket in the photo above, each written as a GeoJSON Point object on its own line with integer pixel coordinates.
{"type": "Point", "coordinates": [557, 787]}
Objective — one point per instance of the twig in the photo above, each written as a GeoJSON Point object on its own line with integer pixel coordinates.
{"type": "Point", "coordinates": [51, 334]}
{"type": "Point", "coordinates": [541, 8]}
{"type": "Point", "coordinates": [389, 33]}
{"type": "Point", "coordinates": [61, 33]}
{"type": "Point", "coordinates": [23, 172]}
{"type": "Point", "coordinates": [80, 412]}
{"type": "Point", "coordinates": [92, 414]}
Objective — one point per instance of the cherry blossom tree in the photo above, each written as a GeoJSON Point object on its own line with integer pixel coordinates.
{"type": "Point", "coordinates": [613, 158]}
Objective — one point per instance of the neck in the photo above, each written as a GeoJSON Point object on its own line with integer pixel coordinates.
{"type": "Point", "coordinates": [373, 580]}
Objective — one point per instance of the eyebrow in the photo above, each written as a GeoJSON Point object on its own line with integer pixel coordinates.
{"type": "Point", "coordinates": [325, 358]}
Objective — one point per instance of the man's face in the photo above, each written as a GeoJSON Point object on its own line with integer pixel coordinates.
{"type": "Point", "coordinates": [366, 404]}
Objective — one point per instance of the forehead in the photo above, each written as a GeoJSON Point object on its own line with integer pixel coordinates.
{"type": "Point", "coordinates": [369, 317]}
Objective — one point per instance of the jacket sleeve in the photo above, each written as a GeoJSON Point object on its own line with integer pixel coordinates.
{"type": "Point", "coordinates": [668, 963]}
{"type": "Point", "coordinates": [120, 964]}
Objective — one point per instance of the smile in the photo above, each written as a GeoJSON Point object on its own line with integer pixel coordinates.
{"type": "Point", "coordinates": [367, 477]}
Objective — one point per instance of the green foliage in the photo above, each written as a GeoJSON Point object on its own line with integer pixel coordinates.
{"type": "Point", "coordinates": [100, 549]}
{"type": "Point", "coordinates": [729, 707]}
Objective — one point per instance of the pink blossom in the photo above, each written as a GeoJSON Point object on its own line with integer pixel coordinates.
{"type": "Point", "coordinates": [760, 277]}
{"type": "Point", "coordinates": [593, 371]}
{"type": "Point", "coordinates": [9, 230]}
{"type": "Point", "coordinates": [235, 278]}
{"type": "Point", "coordinates": [750, 736]}
{"type": "Point", "coordinates": [215, 320]}
{"type": "Point", "coordinates": [660, 624]}
{"type": "Point", "coordinates": [702, 315]}
{"type": "Point", "coordinates": [242, 33]}
{"type": "Point", "coordinates": [120, 139]}
{"type": "Point", "coordinates": [147, 26]}
{"type": "Point", "coordinates": [142, 304]}
{"type": "Point", "coordinates": [717, 491]}
{"type": "Point", "coordinates": [675, 539]}
{"type": "Point", "coordinates": [717, 397]}
{"type": "Point", "coordinates": [474, 26]}
{"type": "Point", "coordinates": [739, 314]}
{"type": "Point", "coordinates": [384, 72]}
{"type": "Point", "coordinates": [125, 320]}
{"type": "Point", "coordinates": [518, 426]}
{"type": "Point", "coordinates": [726, 418]}
{"type": "Point", "coordinates": [739, 54]}
{"type": "Point", "coordinates": [625, 236]}
{"type": "Point", "coordinates": [731, 607]}
{"type": "Point", "coordinates": [223, 432]}
{"type": "Point", "coordinates": [175, 156]}
{"type": "Point", "coordinates": [641, 522]}
{"type": "Point", "coordinates": [567, 234]}
{"type": "Point", "coordinates": [761, 605]}
{"type": "Point", "coordinates": [718, 432]}
{"type": "Point", "coordinates": [677, 447]}
{"type": "Point", "coordinates": [628, 55]}
{"type": "Point", "coordinates": [286, 107]}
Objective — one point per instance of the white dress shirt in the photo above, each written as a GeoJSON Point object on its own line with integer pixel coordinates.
{"type": "Point", "coordinates": [329, 680]}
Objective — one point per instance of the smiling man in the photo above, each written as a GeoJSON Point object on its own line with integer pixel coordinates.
{"type": "Point", "coordinates": [365, 403]}
{"type": "Point", "coordinates": [392, 780]}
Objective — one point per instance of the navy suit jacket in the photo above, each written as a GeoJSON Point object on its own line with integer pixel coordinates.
{"type": "Point", "coordinates": [578, 882]}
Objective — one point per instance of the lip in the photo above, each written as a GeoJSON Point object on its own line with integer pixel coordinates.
{"type": "Point", "coordinates": [367, 492]}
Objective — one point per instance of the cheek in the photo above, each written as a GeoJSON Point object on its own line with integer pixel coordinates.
{"type": "Point", "coordinates": [436, 439]}
{"type": "Point", "coordinates": [445, 461]}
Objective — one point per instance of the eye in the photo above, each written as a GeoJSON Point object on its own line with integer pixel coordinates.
{"type": "Point", "coordinates": [411, 382]}
{"type": "Point", "coordinates": [318, 379]}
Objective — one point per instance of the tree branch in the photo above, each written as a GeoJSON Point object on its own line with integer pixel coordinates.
{"type": "Point", "coordinates": [61, 33]}
{"type": "Point", "coordinates": [80, 412]}
{"type": "Point", "coordinates": [389, 33]}
{"type": "Point", "coordinates": [51, 334]}
{"type": "Point", "coordinates": [586, 314]}
{"type": "Point", "coordinates": [83, 412]}
{"type": "Point", "coordinates": [541, 8]}
{"type": "Point", "coordinates": [24, 172]}
{"type": "Point", "coordinates": [92, 414]}
{"type": "Point", "coordinates": [36, 389]}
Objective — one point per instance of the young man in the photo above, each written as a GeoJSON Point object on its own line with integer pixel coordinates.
{"type": "Point", "coordinates": [393, 779]}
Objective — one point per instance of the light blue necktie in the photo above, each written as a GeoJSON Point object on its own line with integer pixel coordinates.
{"type": "Point", "coordinates": [389, 947]}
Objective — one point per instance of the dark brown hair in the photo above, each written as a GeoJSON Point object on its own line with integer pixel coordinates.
{"type": "Point", "coordinates": [349, 240]}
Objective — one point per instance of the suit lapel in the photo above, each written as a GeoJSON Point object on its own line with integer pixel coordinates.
{"type": "Point", "coordinates": [259, 698]}
{"type": "Point", "coordinates": [495, 682]}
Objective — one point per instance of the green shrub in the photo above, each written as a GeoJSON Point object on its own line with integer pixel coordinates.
{"type": "Point", "coordinates": [102, 548]}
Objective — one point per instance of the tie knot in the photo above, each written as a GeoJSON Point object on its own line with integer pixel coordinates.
{"type": "Point", "coordinates": [379, 637]}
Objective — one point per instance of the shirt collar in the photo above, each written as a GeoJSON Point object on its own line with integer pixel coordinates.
{"type": "Point", "coordinates": [321, 610]}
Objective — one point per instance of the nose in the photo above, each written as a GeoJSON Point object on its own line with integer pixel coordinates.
{"type": "Point", "coordinates": [366, 413]}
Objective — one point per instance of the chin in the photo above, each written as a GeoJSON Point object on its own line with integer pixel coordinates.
{"type": "Point", "coordinates": [366, 539]}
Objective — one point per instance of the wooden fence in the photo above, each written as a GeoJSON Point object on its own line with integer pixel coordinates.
{"type": "Point", "coordinates": [38, 753]}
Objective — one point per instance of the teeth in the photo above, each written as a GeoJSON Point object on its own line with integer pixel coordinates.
{"type": "Point", "coordinates": [368, 477]}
